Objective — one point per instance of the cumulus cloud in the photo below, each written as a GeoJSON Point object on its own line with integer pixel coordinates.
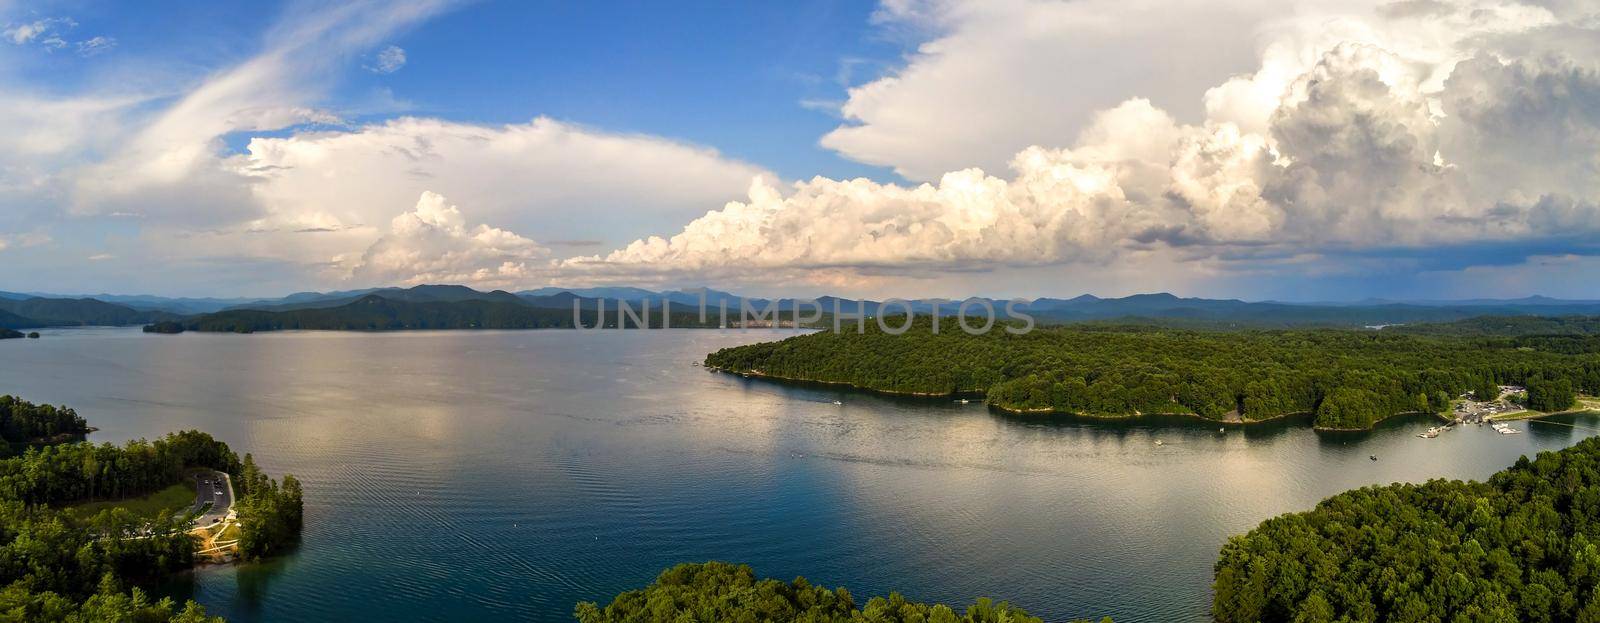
{"type": "Point", "coordinates": [1394, 126]}
{"type": "Point", "coordinates": [535, 176]}
{"type": "Point", "coordinates": [433, 244]}
{"type": "Point", "coordinates": [997, 76]}
{"type": "Point", "coordinates": [1113, 138]}
{"type": "Point", "coordinates": [321, 188]}
{"type": "Point", "coordinates": [388, 60]}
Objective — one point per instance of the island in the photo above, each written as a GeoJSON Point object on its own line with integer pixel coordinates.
{"type": "Point", "coordinates": [89, 528]}
{"type": "Point", "coordinates": [1344, 379]}
{"type": "Point", "coordinates": [9, 334]}
{"type": "Point", "coordinates": [165, 326]}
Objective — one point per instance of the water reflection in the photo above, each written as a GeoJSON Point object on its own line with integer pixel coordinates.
{"type": "Point", "coordinates": [492, 475]}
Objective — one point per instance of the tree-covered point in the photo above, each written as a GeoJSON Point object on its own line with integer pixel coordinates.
{"type": "Point", "coordinates": [1349, 378]}
{"type": "Point", "coordinates": [270, 515]}
{"type": "Point", "coordinates": [58, 566]}
{"type": "Point", "coordinates": [165, 326]}
{"type": "Point", "coordinates": [718, 592]}
{"type": "Point", "coordinates": [9, 334]}
{"type": "Point", "coordinates": [1525, 546]}
{"type": "Point", "coordinates": [23, 422]}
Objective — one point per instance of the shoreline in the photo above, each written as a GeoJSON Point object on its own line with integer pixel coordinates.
{"type": "Point", "coordinates": [1529, 414]}
{"type": "Point", "coordinates": [1112, 418]}
{"type": "Point", "coordinates": [1047, 411]}
{"type": "Point", "coordinates": [1582, 407]}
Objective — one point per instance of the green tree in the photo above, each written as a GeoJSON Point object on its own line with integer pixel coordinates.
{"type": "Point", "coordinates": [1550, 395]}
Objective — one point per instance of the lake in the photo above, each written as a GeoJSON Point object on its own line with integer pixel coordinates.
{"type": "Point", "coordinates": [507, 475]}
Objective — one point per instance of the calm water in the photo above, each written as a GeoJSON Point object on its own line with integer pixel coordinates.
{"type": "Point", "coordinates": [507, 475]}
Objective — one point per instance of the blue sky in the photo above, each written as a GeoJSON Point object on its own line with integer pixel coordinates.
{"type": "Point", "coordinates": [1301, 150]}
{"type": "Point", "coordinates": [698, 72]}
{"type": "Point", "coordinates": [691, 71]}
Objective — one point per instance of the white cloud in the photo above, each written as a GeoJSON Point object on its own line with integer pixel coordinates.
{"type": "Point", "coordinates": [95, 46]}
{"type": "Point", "coordinates": [42, 30]}
{"type": "Point", "coordinates": [998, 76]}
{"type": "Point", "coordinates": [544, 175]}
{"type": "Point", "coordinates": [388, 60]}
{"type": "Point", "coordinates": [100, 257]}
{"type": "Point", "coordinates": [24, 240]}
{"type": "Point", "coordinates": [1377, 130]}
{"type": "Point", "coordinates": [50, 33]}
{"type": "Point", "coordinates": [434, 244]}
{"type": "Point", "coordinates": [326, 190]}
{"type": "Point", "coordinates": [1095, 137]}
{"type": "Point", "coordinates": [171, 167]}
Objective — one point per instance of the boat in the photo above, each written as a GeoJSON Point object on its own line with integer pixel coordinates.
{"type": "Point", "coordinates": [1373, 457]}
{"type": "Point", "coordinates": [1160, 443]}
{"type": "Point", "coordinates": [1503, 429]}
{"type": "Point", "coordinates": [838, 402]}
{"type": "Point", "coordinates": [963, 401]}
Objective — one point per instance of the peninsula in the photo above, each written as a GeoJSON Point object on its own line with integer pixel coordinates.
{"type": "Point", "coordinates": [1350, 379]}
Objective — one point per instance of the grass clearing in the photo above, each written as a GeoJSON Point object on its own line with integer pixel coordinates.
{"type": "Point", "coordinates": [175, 498]}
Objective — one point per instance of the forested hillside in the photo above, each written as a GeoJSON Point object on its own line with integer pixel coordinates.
{"type": "Point", "coordinates": [714, 592]}
{"type": "Point", "coordinates": [1507, 326]}
{"type": "Point", "coordinates": [49, 312]}
{"type": "Point", "coordinates": [1524, 546]}
{"type": "Point", "coordinates": [1349, 378]}
{"type": "Point", "coordinates": [376, 313]}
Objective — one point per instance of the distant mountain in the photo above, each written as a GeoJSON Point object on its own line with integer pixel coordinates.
{"type": "Point", "coordinates": [28, 310]}
{"type": "Point", "coordinates": [377, 312]}
{"type": "Point", "coordinates": [1159, 307]}
{"type": "Point", "coordinates": [604, 293]}
{"type": "Point", "coordinates": [9, 320]}
{"type": "Point", "coordinates": [416, 294]}
{"type": "Point", "coordinates": [562, 297]}
{"type": "Point", "coordinates": [176, 305]}
{"type": "Point", "coordinates": [67, 312]}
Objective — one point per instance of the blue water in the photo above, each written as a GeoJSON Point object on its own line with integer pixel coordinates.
{"type": "Point", "coordinates": [508, 475]}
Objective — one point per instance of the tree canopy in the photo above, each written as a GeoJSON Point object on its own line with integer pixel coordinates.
{"type": "Point", "coordinates": [718, 592]}
{"type": "Point", "coordinates": [57, 566]}
{"type": "Point", "coordinates": [1349, 378]}
{"type": "Point", "coordinates": [1524, 546]}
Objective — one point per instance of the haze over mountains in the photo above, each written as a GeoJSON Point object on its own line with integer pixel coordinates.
{"type": "Point", "coordinates": [452, 306]}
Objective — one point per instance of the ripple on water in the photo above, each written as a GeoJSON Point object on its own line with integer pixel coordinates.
{"type": "Point", "coordinates": [508, 475]}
